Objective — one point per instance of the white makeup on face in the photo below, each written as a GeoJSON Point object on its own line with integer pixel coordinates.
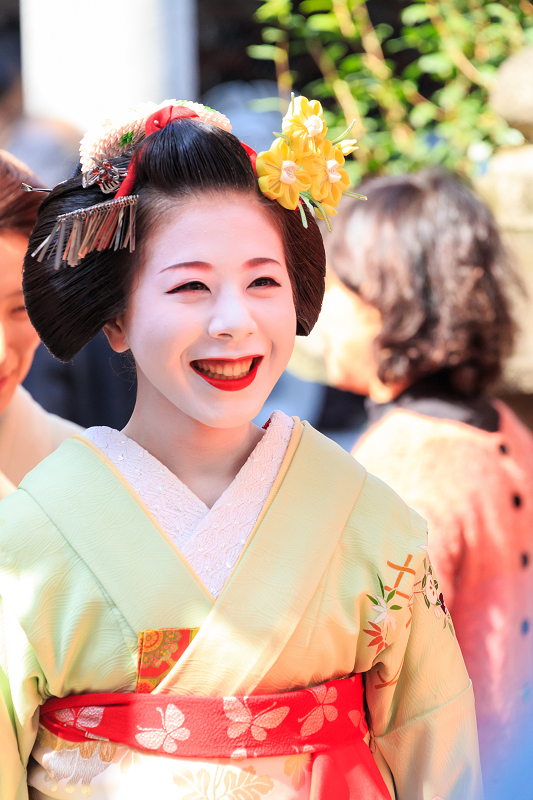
{"type": "Point", "coordinates": [211, 321]}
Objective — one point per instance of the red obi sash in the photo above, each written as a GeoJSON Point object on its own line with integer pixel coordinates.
{"type": "Point", "coordinates": [327, 720]}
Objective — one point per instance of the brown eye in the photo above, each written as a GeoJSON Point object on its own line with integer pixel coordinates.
{"type": "Point", "coordinates": [264, 282]}
{"type": "Point", "coordinates": [192, 286]}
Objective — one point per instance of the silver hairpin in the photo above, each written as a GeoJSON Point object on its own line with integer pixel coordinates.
{"type": "Point", "coordinates": [27, 188]}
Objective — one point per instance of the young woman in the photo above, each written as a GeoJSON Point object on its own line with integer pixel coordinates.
{"type": "Point", "coordinates": [199, 608]}
{"type": "Point", "coordinates": [27, 432]}
{"type": "Point", "coordinates": [416, 318]}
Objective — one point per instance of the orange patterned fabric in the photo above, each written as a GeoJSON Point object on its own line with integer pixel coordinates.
{"type": "Point", "coordinates": [475, 490]}
{"type": "Point", "coordinates": [159, 650]}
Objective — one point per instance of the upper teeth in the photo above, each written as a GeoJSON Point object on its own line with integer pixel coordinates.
{"type": "Point", "coordinates": [225, 369]}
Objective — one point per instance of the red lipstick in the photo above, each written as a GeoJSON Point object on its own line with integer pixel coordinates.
{"type": "Point", "coordinates": [232, 384]}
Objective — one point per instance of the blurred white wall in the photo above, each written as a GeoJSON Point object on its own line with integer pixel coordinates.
{"type": "Point", "coordinates": [83, 58]}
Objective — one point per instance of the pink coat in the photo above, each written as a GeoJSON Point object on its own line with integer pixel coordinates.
{"type": "Point", "coordinates": [476, 491]}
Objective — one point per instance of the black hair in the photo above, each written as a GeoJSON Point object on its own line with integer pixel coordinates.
{"type": "Point", "coordinates": [70, 305]}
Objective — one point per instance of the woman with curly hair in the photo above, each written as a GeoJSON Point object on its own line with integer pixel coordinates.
{"type": "Point", "coordinates": [416, 318]}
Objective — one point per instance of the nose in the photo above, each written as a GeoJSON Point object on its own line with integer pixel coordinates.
{"type": "Point", "coordinates": [231, 318]}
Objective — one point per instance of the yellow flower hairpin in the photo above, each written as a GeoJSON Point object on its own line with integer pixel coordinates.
{"type": "Point", "coordinates": [302, 166]}
{"type": "Point", "coordinates": [304, 125]}
{"type": "Point", "coordinates": [281, 173]}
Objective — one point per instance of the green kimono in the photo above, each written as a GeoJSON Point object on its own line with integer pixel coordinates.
{"type": "Point", "coordinates": [334, 579]}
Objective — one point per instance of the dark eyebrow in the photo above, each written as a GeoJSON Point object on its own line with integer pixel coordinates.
{"type": "Point", "coordinates": [197, 264]}
{"type": "Point", "coordinates": [252, 262]}
{"type": "Point", "coordinates": [256, 262]}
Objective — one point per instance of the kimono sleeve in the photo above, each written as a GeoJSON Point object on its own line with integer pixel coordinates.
{"type": "Point", "coordinates": [18, 725]}
{"type": "Point", "coordinates": [421, 702]}
{"type": "Point", "coordinates": [22, 681]}
{"type": "Point", "coordinates": [60, 633]}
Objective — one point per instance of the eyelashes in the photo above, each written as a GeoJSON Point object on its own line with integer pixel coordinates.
{"type": "Point", "coordinates": [198, 286]}
{"type": "Point", "coordinates": [191, 286]}
{"type": "Point", "coordinates": [264, 282]}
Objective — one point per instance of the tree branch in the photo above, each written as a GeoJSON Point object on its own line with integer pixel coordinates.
{"type": "Point", "coordinates": [375, 60]}
{"type": "Point", "coordinates": [340, 87]}
{"type": "Point", "coordinates": [454, 51]}
{"type": "Point", "coordinates": [283, 75]}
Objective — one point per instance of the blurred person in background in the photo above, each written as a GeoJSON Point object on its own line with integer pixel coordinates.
{"type": "Point", "coordinates": [27, 432]}
{"type": "Point", "coordinates": [416, 318]}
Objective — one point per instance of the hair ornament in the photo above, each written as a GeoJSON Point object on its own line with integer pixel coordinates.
{"type": "Point", "coordinates": [302, 167]}
{"type": "Point", "coordinates": [119, 136]}
{"type": "Point", "coordinates": [107, 176]}
{"type": "Point", "coordinates": [111, 224]}
{"type": "Point", "coordinates": [27, 188]}
{"type": "Point", "coordinates": [106, 225]}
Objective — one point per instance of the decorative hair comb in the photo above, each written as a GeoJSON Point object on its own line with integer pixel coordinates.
{"type": "Point", "coordinates": [301, 167]}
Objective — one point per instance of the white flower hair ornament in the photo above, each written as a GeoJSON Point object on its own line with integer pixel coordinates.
{"type": "Point", "coordinates": [119, 136]}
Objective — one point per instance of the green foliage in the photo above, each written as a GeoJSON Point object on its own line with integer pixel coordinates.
{"type": "Point", "coordinates": [451, 47]}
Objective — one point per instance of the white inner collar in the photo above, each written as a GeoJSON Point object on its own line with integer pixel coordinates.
{"type": "Point", "coordinates": [210, 539]}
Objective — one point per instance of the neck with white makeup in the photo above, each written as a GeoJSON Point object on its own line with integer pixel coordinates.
{"type": "Point", "coordinates": [205, 459]}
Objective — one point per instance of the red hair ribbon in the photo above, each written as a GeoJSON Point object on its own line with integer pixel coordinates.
{"type": "Point", "coordinates": [159, 119]}
{"type": "Point", "coordinates": [155, 122]}
{"type": "Point", "coordinates": [252, 155]}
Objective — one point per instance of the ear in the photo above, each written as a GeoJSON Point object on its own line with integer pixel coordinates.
{"type": "Point", "coordinates": [116, 335]}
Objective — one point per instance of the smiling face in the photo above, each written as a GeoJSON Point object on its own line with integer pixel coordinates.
{"type": "Point", "coordinates": [18, 339]}
{"type": "Point", "coordinates": [211, 320]}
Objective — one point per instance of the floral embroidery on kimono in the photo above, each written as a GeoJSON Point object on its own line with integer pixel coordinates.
{"type": "Point", "coordinates": [429, 588]}
{"type": "Point", "coordinates": [227, 784]}
{"type": "Point", "coordinates": [382, 604]}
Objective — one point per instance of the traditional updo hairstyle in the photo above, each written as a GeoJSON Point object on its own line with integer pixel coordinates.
{"type": "Point", "coordinates": [18, 209]}
{"type": "Point", "coordinates": [427, 254]}
{"type": "Point", "coordinates": [184, 159]}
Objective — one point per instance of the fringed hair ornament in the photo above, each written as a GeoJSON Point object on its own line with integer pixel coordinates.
{"type": "Point", "coordinates": [109, 225]}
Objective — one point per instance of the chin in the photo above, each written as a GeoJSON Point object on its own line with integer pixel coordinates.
{"type": "Point", "coordinates": [345, 381]}
{"type": "Point", "coordinates": [230, 414]}
{"type": "Point", "coordinates": [230, 420]}
{"type": "Point", "coordinates": [232, 409]}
